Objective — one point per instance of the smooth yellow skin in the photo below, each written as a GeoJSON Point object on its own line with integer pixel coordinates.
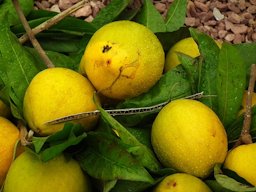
{"type": "Point", "coordinates": [9, 135]}
{"type": "Point", "coordinates": [181, 182]}
{"type": "Point", "coordinates": [188, 136]}
{"type": "Point", "coordinates": [29, 174]}
{"type": "Point", "coordinates": [186, 46]}
{"type": "Point", "coordinates": [242, 160]}
{"type": "Point", "coordinates": [123, 59]}
{"type": "Point", "coordinates": [4, 109]}
{"type": "Point", "coordinates": [55, 93]}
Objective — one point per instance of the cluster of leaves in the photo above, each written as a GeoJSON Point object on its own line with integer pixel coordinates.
{"type": "Point", "coordinates": [118, 154]}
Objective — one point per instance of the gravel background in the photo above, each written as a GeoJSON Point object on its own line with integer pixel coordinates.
{"type": "Point", "coordinates": [226, 20]}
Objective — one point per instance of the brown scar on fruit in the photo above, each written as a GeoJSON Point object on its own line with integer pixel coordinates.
{"type": "Point", "coordinates": [134, 64]}
{"type": "Point", "coordinates": [106, 48]}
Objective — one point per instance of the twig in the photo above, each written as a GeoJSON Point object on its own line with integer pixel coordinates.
{"type": "Point", "coordinates": [54, 20]}
{"type": "Point", "coordinates": [25, 136]}
{"type": "Point", "coordinates": [32, 38]}
{"type": "Point", "coordinates": [245, 137]}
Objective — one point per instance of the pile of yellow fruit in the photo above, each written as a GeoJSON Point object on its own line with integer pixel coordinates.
{"type": "Point", "coordinates": [122, 60]}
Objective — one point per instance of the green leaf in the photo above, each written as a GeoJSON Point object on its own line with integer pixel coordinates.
{"type": "Point", "coordinates": [190, 65]}
{"type": "Point", "coordinates": [106, 158]}
{"type": "Point", "coordinates": [18, 65]}
{"type": "Point", "coordinates": [176, 15]}
{"type": "Point", "coordinates": [58, 59]}
{"type": "Point", "coordinates": [231, 82]}
{"type": "Point", "coordinates": [234, 129]}
{"type": "Point", "coordinates": [230, 183]}
{"type": "Point", "coordinates": [110, 12]}
{"type": "Point", "coordinates": [209, 52]}
{"type": "Point", "coordinates": [173, 85]}
{"type": "Point", "coordinates": [247, 51]}
{"type": "Point", "coordinates": [26, 6]}
{"type": "Point", "coordinates": [151, 18]}
{"type": "Point", "coordinates": [141, 152]}
{"type": "Point", "coordinates": [53, 145]}
{"type": "Point", "coordinates": [168, 39]}
{"type": "Point", "coordinates": [108, 185]}
{"type": "Point", "coordinates": [215, 186]}
{"type": "Point", "coordinates": [69, 25]}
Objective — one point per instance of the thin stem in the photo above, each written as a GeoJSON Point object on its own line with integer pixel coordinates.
{"type": "Point", "coordinates": [245, 137]}
{"type": "Point", "coordinates": [54, 20]}
{"type": "Point", "coordinates": [32, 38]}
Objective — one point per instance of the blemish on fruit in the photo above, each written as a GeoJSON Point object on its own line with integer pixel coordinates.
{"type": "Point", "coordinates": [108, 61]}
{"type": "Point", "coordinates": [106, 48]}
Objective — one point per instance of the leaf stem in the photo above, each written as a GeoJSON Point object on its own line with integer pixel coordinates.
{"type": "Point", "coordinates": [31, 36]}
{"type": "Point", "coordinates": [25, 136]}
{"type": "Point", "coordinates": [54, 20]}
{"type": "Point", "coordinates": [245, 136]}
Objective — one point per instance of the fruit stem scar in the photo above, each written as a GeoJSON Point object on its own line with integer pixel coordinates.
{"type": "Point", "coordinates": [106, 48]}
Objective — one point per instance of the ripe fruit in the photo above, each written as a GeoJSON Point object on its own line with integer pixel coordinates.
{"type": "Point", "coordinates": [188, 136]}
{"type": "Point", "coordinates": [242, 160]}
{"type": "Point", "coordinates": [123, 59]}
{"type": "Point", "coordinates": [181, 182]}
{"type": "Point", "coordinates": [55, 93]}
{"type": "Point", "coordinates": [4, 109]}
{"type": "Point", "coordinates": [186, 46]}
{"type": "Point", "coordinates": [29, 174]}
{"type": "Point", "coordinates": [9, 135]}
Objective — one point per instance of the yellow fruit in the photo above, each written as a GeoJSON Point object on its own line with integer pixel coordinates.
{"type": "Point", "coordinates": [55, 93]}
{"type": "Point", "coordinates": [29, 174]}
{"type": "Point", "coordinates": [123, 59]}
{"type": "Point", "coordinates": [181, 182]}
{"type": "Point", "coordinates": [242, 160]}
{"type": "Point", "coordinates": [4, 109]}
{"type": "Point", "coordinates": [186, 46]}
{"type": "Point", "coordinates": [188, 136]}
{"type": "Point", "coordinates": [9, 135]}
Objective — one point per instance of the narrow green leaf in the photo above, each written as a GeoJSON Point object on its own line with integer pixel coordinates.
{"type": "Point", "coordinates": [176, 15]}
{"type": "Point", "coordinates": [231, 82]}
{"type": "Point", "coordinates": [230, 183]}
{"type": "Point", "coordinates": [105, 157]}
{"type": "Point", "coordinates": [209, 52]}
{"type": "Point", "coordinates": [18, 65]}
{"type": "Point", "coordinates": [110, 12]}
{"type": "Point", "coordinates": [191, 67]}
{"type": "Point", "coordinates": [215, 186]}
{"type": "Point", "coordinates": [151, 18]}
{"type": "Point", "coordinates": [68, 25]}
{"type": "Point", "coordinates": [140, 151]}
{"type": "Point", "coordinates": [108, 185]}
{"type": "Point", "coordinates": [173, 85]}
{"type": "Point", "coordinates": [59, 59]}
{"type": "Point", "coordinates": [7, 5]}
{"type": "Point", "coordinates": [53, 145]}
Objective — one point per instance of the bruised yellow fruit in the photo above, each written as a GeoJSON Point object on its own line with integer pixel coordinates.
{"type": "Point", "coordinates": [181, 182]}
{"type": "Point", "coordinates": [55, 93]}
{"type": "Point", "coordinates": [186, 46]}
{"type": "Point", "coordinates": [29, 174]}
{"type": "Point", "coordinates": [188, 136]}
{"type": "Point", "coordinates": [9, 136]}
{"type": "Point", "coordinates": [242, 160]}
{"type": "Point", "coordinates": [123, 59]}
{"type": "Point", "coordinates": [4, 109]}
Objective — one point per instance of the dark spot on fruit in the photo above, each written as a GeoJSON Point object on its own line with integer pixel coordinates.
{"type": "Point", "coordinates": [106, 48]}
{"type": "Point", "coordinates": [108, 62]}
{"type": "Point", "coordinates": [174, 184]}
